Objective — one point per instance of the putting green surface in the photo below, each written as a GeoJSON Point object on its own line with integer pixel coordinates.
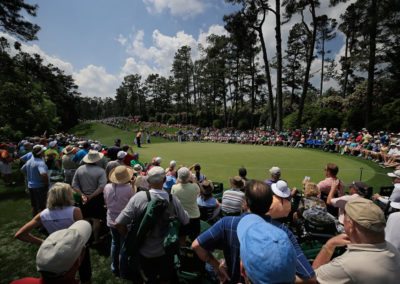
{"type": "Point", "coordinates": [220, 161]}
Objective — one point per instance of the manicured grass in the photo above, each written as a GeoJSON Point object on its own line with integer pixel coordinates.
{"type": "Point", "coordinates": [221, 161]}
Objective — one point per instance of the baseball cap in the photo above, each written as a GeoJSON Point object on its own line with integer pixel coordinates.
{"type": "Point", "coordinates": [155, 175]}
{"type": "Point", "coordinates": [53, 144]}
{"type": "Point", "coordinates": [121, 155]}
{"type": "Point", "coordinates": [395, 174]}
{"type": "Point", "coordinates": [62, 248]}
{"type": "Point", "coordinates": [366, 213]}
{"type": "Point", "coordinates": [274, 170]}
{"type": "Point", "coordinates": [267, 254]}
{"type": "Point", "coordinates": [360, 186]}
{"type": "Point", "coordinates": [281, 189]}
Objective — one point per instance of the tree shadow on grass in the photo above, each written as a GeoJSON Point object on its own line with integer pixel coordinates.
{"type": "Point", "coordinates": [12, 193]}
{"type": "Point", "coordinates": [83, 129]}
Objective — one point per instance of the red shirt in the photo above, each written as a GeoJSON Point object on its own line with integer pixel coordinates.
{"type": "Point", "coordinates": [31, 280]}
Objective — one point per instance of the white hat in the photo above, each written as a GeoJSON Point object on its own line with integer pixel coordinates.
{"type": "Point", "coordinates": [62, 248]}
{"type": "Point", "coordinates": [184, 174]}
{"type": "Point", "coordinates": [92, 157]}
{"type": "Point", "coordinates": [155, 175]}
{"type": "Point", "coordinates": [395, 174]}
{"type": "Point", "coordinates": [121, 155]}
{"type": "Point", "coordinates": [281, 189]}
{"type": "Point", "coordinates": [38, 149]}
{"type": "Point", "coordinates": [53, 144]}
{"type": "Point", "coordinates": [275, 170]}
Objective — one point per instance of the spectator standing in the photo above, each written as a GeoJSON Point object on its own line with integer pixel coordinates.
{"type": "Point", "coordinates": [89, 181]}
{"type": "Point", "coordinates": [112, 152]}
{"type": "Point", "coordinates": [187, 193]}
{"type": "Point", "coordinates": [115, 163]}
{"type": "Point", "coordinates": [395, 196]}
{"type": "Point", "coordinates": [116, 196]}
{"type": "Point", "coordinates": [331, 170]}
{"type": "Point", "coordinates": [67, 163]}
{"type": "Point", "coordinates": [156, 265]}
{"type": "Point", "coordinates": [85, 146]}
{"type": "Point", "coordinates": [138, 138]}
{"type": "Point", "coordinates": [36, 172]}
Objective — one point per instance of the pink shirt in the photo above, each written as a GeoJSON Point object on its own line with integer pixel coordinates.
{"type": "Point", "coordinates": [326, 184]}
{"type": "Point", "coordinates": [116, 196]}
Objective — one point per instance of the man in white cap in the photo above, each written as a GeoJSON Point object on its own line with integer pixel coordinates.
{"type": "Point", "coordinates": [275, 175]}
{"type": "Point", "coordinates": [396, 191]}
{"type": "Point", "coordinates": [393, 224]}
{"type": "Point", "coordinates": [369, 258]}
{"type": "Point", "coordinates": [115, 163]}
{"type": "Point", "coordinates": [155, 263]}
{"type": "Point", "coordinates": [89, 180]}
{"type": "Point", "coordinates": [60, 255]}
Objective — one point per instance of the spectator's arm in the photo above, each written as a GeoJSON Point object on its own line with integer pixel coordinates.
{"type": "Point", "coordinates": [334, 189]}
{"type": "Point", "coordinates": [77, 214]}
{"type": "Point", "coordinates": [24, 233]}
{"type": "Point", "coordinates": [208, 257]}
{"type": "Point", "coordinates": [325, 254]}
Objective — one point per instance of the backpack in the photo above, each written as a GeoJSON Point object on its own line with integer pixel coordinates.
{"type": "Point", "coordinates": [143, 226]}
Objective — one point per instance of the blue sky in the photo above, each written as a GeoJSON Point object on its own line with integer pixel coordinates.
{"type": "Point", "coordinates": [101, 41]}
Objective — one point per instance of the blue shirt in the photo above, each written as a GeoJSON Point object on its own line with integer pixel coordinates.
{"type": "Point", "coordinates": [79, 155]}
{"type": "Point", "coordinates": [26, 157]}
{"type": "Point", "coordinates": [223, 235]}
{"type": "Point", "coordinates": [211, 202]}
{"type": "Point", "coordinates": [33, 169]}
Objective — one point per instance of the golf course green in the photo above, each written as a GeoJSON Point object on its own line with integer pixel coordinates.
{"type": "Point", "coordinates": [220, 161]}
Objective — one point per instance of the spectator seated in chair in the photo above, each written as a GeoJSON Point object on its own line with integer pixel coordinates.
{"type": "Point", "coordinates": [208, 205]}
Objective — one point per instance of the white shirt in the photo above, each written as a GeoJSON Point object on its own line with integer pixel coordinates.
{"type": "Point", "coordinates": [392, 230]}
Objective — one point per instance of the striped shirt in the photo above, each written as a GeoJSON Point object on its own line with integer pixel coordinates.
{"type": "Point", "coordinates": [232, 201]}
{"type": "Point", "coordinates": [223, 236]}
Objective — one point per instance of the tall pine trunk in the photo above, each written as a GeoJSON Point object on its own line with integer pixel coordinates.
{"type": "Point", "coordinates": [278, 36]}
{"type": "Point", "coordinates": [372, 57]}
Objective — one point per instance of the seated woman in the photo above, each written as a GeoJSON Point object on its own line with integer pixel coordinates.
{"type": "Point", "coordinates": [233, 201]}
{"type": "Point", "coordinates": [313, 210]}
{"type": "Point", "coordinates": [208, 205]}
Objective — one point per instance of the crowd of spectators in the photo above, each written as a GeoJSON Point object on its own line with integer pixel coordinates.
{"type": "Point", "coordinates": [258, 225]}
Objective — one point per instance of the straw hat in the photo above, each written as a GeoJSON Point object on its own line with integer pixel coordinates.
{"type": "Point", "coordinates": [121, 174]}
{"type": "Point", "coordinates": [92, 157]}
{"type": "Point", "coordinates": [68, 150]}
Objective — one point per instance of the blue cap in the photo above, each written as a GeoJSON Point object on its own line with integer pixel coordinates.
{"type": "Point", "coordinates": [169, 182]}
{"type": "Point", "coordinates": [267, 254]}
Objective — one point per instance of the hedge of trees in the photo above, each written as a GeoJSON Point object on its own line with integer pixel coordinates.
{"type": "Point", "coordinates": [232, 83]}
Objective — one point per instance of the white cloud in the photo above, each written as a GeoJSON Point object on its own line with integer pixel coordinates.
{"type": "Point", "coordinates": [35, 49]}
{"type": "Point", "coordinates": [121, 39]}
{"type": "Point", "coordinates": [183, 8]}
{"type": "Point", "coordinates": [94, 81]}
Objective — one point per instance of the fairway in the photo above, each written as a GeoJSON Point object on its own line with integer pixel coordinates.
{"type": "Point", "coordinates": [220, 161]}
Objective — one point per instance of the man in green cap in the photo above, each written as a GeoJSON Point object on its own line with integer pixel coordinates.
{"type": "Point", "coordinates": [369, 258]}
